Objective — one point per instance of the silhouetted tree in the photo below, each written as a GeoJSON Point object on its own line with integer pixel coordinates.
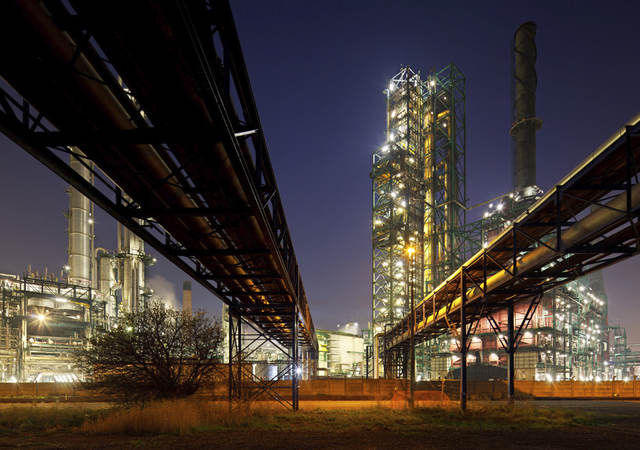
{"type": "Point", "coordinates": [153, 353]}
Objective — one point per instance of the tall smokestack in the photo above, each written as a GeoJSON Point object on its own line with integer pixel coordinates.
{"type": "Point", "coordinates": [525, 122]}
{"type": "Point", "coordinates": [186, 297]}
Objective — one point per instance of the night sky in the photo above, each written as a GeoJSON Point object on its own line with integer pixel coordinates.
{"type": "Point", "coordinates": [318, 70]}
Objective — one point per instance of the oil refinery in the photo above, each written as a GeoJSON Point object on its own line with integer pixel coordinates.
{"type": "Point", "coordinates": [47, 316]}
{"type": "Point", "coordinates": [420, 235]}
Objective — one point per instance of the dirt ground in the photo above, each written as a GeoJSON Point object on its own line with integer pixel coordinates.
{"type": "Point", "coordinates": [578, 438]}
{"type": "Point", "coordinates": [621, 432]}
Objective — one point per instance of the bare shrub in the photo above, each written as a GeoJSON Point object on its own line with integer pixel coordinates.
{"type": "Point", "coordinates": [153, 353]}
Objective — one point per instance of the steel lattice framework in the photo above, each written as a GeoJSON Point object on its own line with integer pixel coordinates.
{"type": "Point", "coordinates": [445, 174]}
{"type": "Point", "coordinates": [156, 96]}
{"type": "Point", "coordinates": [418, 193]}
{"type": "Point", "coordinates": [589, 220]}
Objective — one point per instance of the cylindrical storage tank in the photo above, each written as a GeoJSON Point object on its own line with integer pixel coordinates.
{"type": "Point", "coordinates": [80, 228]}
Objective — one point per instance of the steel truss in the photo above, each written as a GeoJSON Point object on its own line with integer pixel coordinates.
{"type": "Point", "coordinates": [191, 176]}
{"type": "Point", "coordinates": [588, 221]}
{"type": "Point", "coordinates": [419, 191]}
{"type": "Point", "coordinates": [445, 239]}
{"type": "Point", "coordinates": [246, 342]}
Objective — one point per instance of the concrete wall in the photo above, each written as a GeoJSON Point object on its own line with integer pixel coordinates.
{"type": "Point", "coordinates": [350, 388]}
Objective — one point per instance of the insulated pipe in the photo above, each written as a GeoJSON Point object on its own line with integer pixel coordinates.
{"type": "Point", "coordinates": [104, 100]}
{"type": "Point", "coordinates": [117, 116]}
{"type": "Point", "coordinates": [581, 230]}
{"type": "Point", "coordinates": [525, 122]}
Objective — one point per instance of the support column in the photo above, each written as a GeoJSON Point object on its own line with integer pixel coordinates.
{"type": "Point", "coordinates": [235, 356]}
{"type": "Point", "coordinates": [294, 356]}
{"type": "Point", "coordinates": [367, 355]}
{"type": "Point", "coordinates": [463, 343]}
{"type": "Point", "coordinates": [239, 359]}
{"type": "Point", "coordinates": [510, 352]}
{"type": "Point", "coordinates": [231, 337]}
{"type": "Point", "coordinates": [412, 344]}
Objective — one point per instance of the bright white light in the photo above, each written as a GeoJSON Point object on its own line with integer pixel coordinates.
{"type": "Point", "coordinates": [490, 205]}
{"type": "Point", "coordinates": [385, 148]}
{"type": "Point", "coordinates": [528, 335]}
{"type": "Point", "coordinates": [598, 379]}
{"type": "Point", "coordinates": [499, 206]}
{"type": "Point", "coordinates": [549, 377]}
{"type": "Point", "coordinates": [129, 328]}
{"type": "Point", "coordinates": [41, 317]}
{"type": "Point", "coordinates": [485, 244]}
{"type": "Point", "coordinates": [486, 214]}
{"type": "Point", "coordinates": [90, 221]}
{"type": "Point", "coordinates": [61, 300]}
{"type": "Point", "coordinates": [391, 137]}
{"type": "Point", "coordinates": [298, 370]}
{"type": "Point", "coordinates": [432, 83]}
{"type": "Point", "coordinates": [66, 268]}
{"type": "Point", "coordinates": [391, 86]}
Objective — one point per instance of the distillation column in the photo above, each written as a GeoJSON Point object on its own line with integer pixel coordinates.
{"type": "Point", "coordinates": [131, 269]}
{"type": "Point", "coordinates": [81, 231]}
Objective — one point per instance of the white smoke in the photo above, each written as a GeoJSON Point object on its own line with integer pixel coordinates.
{"type": "Point", "coordinates": [164, 291]}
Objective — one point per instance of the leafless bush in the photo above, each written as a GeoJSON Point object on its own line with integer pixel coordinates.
{"type": "Point", "coordinates": [153, 353]}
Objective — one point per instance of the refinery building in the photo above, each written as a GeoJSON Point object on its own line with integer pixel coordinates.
{"type": "Point", "coordinates": [420, 235]}
{"type": "Point", "coordinates": [47, 316]}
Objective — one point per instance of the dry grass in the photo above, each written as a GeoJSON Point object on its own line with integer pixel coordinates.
{"type": "Point", "coordinates": [187, 416]}
{"type": "Point", "coordinates": [33, 418]}
{"type": "Point", "coordinates": [176, 416]}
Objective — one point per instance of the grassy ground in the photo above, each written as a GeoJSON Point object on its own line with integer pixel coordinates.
{"type": "Point", "coordinates": [192, 424]}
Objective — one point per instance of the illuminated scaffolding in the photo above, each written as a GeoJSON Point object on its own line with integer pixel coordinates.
{"type": "Point", "coordinates": [418, 195]}
{"type": "Point", "coordinates": [445, 175]}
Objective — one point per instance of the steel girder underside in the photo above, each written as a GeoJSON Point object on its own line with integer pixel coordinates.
{"type": "Point", "coordinates": [156, 96]}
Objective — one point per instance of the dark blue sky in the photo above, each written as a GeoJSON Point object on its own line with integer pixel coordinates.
{"type": "Point", "coordinates": [318, 70]}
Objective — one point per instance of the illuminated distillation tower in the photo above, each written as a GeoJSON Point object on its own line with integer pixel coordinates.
{"type": "Point", "coordinates": [419, 193]}
{"type": "Point", "coordinates": [398, 203]}
{"type": "Point", "coordinates": [444, 174]}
